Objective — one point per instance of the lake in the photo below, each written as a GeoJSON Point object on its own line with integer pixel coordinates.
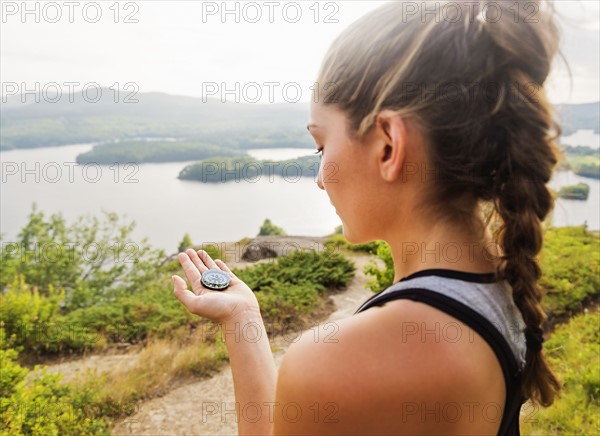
{"type": "Point", "coordinates": [165, 208]}
{"type": "Point", "coordinates": [587, 138]}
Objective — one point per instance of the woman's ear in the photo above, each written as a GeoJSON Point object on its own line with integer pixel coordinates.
{"type": "Point", "coordinates": [392, 154]}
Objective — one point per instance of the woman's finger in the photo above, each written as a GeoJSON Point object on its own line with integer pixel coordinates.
{"type": "Point", "coordinates": [196, 260]}
{"type": "Point", "coordinates": [191, 272]}
{"type": "Point", "coordinates": [207, 259]}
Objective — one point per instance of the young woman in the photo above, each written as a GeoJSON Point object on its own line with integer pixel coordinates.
{"type": "Point", "coordinates": [429, 124]}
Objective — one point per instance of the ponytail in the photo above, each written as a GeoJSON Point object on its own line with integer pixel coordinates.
{"type": "Point", "coordinates": [522, 201]}
{"type": "Point", "coordinates": [520, 195]}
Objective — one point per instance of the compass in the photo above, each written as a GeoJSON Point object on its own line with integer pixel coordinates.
{"type": "Point", "coordinates": [215, 279]}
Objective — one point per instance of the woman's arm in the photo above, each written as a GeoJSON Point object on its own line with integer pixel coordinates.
{"type": "Point", "coordinates": [254, 372]}
{"type": "Point", "coordinates": [236, 309]}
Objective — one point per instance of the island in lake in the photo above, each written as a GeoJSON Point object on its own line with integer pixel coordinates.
{"type": "Point", "coordinates": [221, 169]}
{"type": "Point", "coordinates": [581, 191]}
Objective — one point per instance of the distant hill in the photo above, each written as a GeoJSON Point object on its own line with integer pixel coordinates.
{"type": "Point", "coordinates": [158, 115]}
{"type": "Point", "coordinates": [585, 116]}
{"type": "Point", "coordinates": [155, 115]}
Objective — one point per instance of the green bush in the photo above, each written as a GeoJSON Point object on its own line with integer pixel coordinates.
{"type": "Point", "coordinates": [381, 279]}
{"type": "Point", "coordinates": [12, 373]}
{"type": "Point", "coordinates": [368, 247]}
{"type": "Point", "coordinates": [573, 351]}
{"type": "Point", "coordinates": [289, 288]}
{"type": "Point", "coordinates": [185, 243]}
{"type": "Point", "coordinates": [121, 297]}
{"type": "Point", "coordinates": [32, 323]}
{"type": "Point", "coordinates": [570, 261]}
{"type": "Point", "coordinates": [99, 307]}
{"type": "Point", "coordinates": [26, 316]}
{"type": "Point", "coordinates": [337, 240]}
{"type": "Point", "coordinates": [268, 228]}
{"type": "Point", "coordinates": [130, 318]}
{"type": "Point", "coordinates": [42, 404]}
{"type": "Point", "coordinates": [287, 303]}
{"type": "Point", "coordinates": [90, 260]}
{"type": "Point", "coordinates": [325, 270]}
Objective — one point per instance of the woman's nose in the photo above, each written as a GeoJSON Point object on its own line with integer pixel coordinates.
{"type": "Point", "coordinates": [320, 179]}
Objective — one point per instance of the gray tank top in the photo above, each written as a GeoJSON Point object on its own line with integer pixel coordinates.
{"type": "Point", "coordinates": [485, 305]}
{"type": "Point", "coordinates": [492, 300]}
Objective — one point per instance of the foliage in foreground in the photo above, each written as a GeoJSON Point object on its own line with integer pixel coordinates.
{"type": "Point", "coordinates": [573, 351]}
{"type": "Point", "coordinates": [46, 308]}
{"type": "Point", "coordinates": [570, 262]}
{"type": "Point", "coordinates": [43, 405]}
{"type": "Point", "coordinates": [92, 260]}
{"type": "Point", "coordinates": [291, 288]}
{"type": "Point", "coordinates": [68, 302]}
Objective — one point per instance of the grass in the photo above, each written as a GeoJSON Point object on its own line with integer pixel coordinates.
{"type": "Point", "coordinates": [162, 364]}
{"type": "Point", "coordinates": [573, 351]}
{"type": "Point", "coordinates": [570, 261]}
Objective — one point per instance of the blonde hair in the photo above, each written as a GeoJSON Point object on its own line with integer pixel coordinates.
{"type": "Point", "coordinates": [500, 149]}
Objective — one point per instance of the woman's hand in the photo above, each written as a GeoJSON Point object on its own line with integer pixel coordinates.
{"type": "Point", "coordinates": [227, 305]}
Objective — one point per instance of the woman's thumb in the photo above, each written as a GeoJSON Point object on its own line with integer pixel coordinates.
{"type": "Point", "coordinates": [183, 294]}
{"type": "Point", "coordinates": [179, 283]}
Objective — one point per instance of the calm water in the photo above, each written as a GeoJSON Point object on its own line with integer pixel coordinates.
{"type": "Point", "coordinates": [574, 212]}
{"type": "Point", "coordinates": [588, 138]}
{"type": "Point", "coordinates": [165, 208]}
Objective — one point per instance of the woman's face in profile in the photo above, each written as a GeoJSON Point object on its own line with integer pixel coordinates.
{"type": "Point", "coordinates": [345, 170]}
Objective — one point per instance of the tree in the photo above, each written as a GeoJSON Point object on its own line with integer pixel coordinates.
{"type": "Point", "coordinates": [185, 243]}
{"type": "Point", "coordinates": [269, 228]}
{"type": "Point", "coordinates": [91, 259]}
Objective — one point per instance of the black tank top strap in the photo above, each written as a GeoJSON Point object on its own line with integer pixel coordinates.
{"type": "Point", "coordinates": [509, 425]}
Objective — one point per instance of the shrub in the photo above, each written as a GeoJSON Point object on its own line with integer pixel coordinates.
{"type": "Point", "coordinates": [91, 261]}
{"type": "Point", "coordinates": [570, 261]}
{"type": "Point", "coordinates": [381, 278]}
{"type": "Point", "coordinates": [185, 243]}
{"type": "Point", "coordinates": [268, 228]}
{"type": "Point", "coordinates": [43, 405]}
{"type": "Point", "coordinates": [26, 316]}
{"type": "Point", "coordinates": [335, 241]}
{"type": "Point", "coordinates": [572, 351]}
{"type": "Point", "coordinates": [289, 288]}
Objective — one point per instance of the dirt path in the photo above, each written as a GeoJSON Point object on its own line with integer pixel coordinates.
{"type": "Point", "coordinates": [98, 363]}
{"type": "Point", "coordinates": [207, 407]}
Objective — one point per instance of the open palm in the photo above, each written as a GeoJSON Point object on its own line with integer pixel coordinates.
{"type": "Point", "coordinates": [218, 306]}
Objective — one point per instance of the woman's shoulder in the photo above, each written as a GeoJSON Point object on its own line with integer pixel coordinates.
{"type": "Point", "coordinates": [402, 363]}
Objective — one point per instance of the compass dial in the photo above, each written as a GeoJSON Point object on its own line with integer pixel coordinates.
{"type": "Point", "coordinates": [215, 279]}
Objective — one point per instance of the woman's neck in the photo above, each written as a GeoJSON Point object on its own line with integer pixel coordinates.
{"type": "Point", "coordinates": [425, 245]}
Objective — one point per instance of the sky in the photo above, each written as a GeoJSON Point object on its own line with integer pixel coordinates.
{"type": "Point", "coordinates": [257, 52]}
